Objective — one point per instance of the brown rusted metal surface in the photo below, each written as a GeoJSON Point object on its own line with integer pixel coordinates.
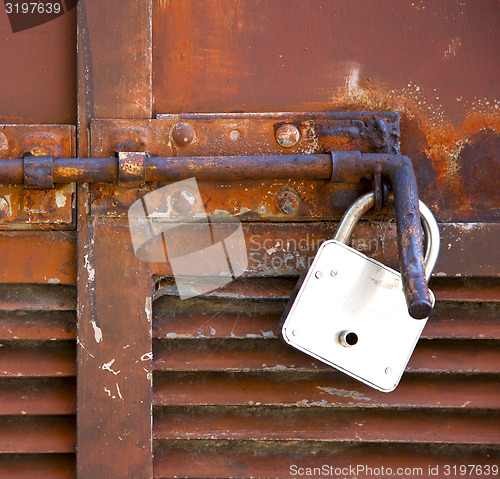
{"type": "Point", "coordinates": [37, 325]}
{"type": "Point", "coordinates": [322, 390]}
{"type": "Point", "coordinates": [38, 65]}
{"type": "Point", "coordinates": [262, 67]}
{"type": "Point", "coordinates": [38, 257]}
{"type": "Point", "coordinates": [248, 459]}
{"type": "Point", "coordinates": [39, 434]}
{"type": "Point", "coordinates": [40, 396]}
{"type": "Point", "coordinates": [47, 466]}
{"type": "Point", "coordinates": [114, 77]}
{"type": "Point", "coordinates": [430, 356]}
{"type": "Point", "coordinates": [248, 133]}
{"type": "Point", "coordinates": [265, 424]}
{"type": "Point", "coordinates": [20, 207]}
{"type": "Point", "coordinates": [114, 353]}
{"type": "Point", "coordinates": [449, 106]}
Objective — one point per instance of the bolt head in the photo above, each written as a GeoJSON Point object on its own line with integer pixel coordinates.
{"type": "Point", "coordinates": [287, 201]}
{"type": "Point", "coordinates": [235, 134]}
{"type": "Point", "coordinates": [287, 135]}
{"type": "Point", "coordinates": [183, 134]}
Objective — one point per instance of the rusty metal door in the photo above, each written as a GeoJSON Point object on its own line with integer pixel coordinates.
{"type": "Point", "coordinates": [106, 372]}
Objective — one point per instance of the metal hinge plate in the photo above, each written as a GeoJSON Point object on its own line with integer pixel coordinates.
{"type": "Point", "coordinates": [22, 208]}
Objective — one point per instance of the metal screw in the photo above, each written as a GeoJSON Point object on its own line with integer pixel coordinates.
{"type": "Point", "coordinates": [287, 201]}
{"type": "Point", "coordinates": [4, 207]}
{"type": "Point", "coordinates": [183, 134]}
{"type": "Point", "coordinates": [287, 135]}
{"type": "Point", "coordinates": [333, 273]}
{"type": "Point", "coordinates": [4, 142]}
{"type": "Point", "coordinates": [318, 274]}
{"type": "Point", "coordinates": [388, 370]}
{"type": "Point", "coordinates": [235, 134]}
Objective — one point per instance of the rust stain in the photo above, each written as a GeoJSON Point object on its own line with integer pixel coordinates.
{"type": "Point", "coordinates": [437, 146]}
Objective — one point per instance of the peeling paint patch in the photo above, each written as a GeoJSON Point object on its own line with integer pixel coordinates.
{"type": "Point", "coordinates": [119, 392]}
{"type": "Point", "coordinates": [97, 332]}
{"type": "Point", "coordinates": [89, 268]}
{"type": "Point", "coordinates": [268, 334]}
{"type": "Point", "coordinates": [109, 393]}
{"type": "Point", "coordinates": [147, 356]}
{"type": "Point", "coordinates": [149, 309]}
{"type": "Point", "coordinates": [107, 367]}
{"type": "Point", "coordinates": [343, 393]}
{"type": "Point", "coordinates": [60, 199]}
{"type": "Point", "coordinates": [53, 281]}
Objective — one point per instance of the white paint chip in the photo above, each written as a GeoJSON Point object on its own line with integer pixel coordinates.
{"type": "Point", "coordinates": [97, 332]}
{"type": "Point", "coordinates": [107, 367]}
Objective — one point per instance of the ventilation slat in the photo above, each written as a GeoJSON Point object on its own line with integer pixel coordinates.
{"type": "Point", "coordinates": [445, 289]}
{"type": "Point", "coordinates": [323, 390]}
{"type": "Point", "coordinates": [37, 358]}
{"type": "Point", "coordinates": [38, 257]}
{"type": "Point", "coordinates": [257, 319]}
{"type": "Point", "coordinates": [436, 356]}
{"type": "Point", "coordinates": [47, 396]}
{"type": "Point", "coordinates": [37, 297]}
{"type": "Point", "coordinates": [37, 325]}
{"type": "Point", "coordinates": [37, 466]}
{"type": "Point", "coordinates": [194, 459]}
{"type": "Point", "coordinates": [37, 434]}
{"type": "Point", "coordinates": [320, 424]}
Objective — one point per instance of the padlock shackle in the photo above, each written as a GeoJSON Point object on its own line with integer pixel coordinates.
{"type": "Point", "coordinates": [367, 201]}
{"type": "Point", "coordinates": [432, 239]}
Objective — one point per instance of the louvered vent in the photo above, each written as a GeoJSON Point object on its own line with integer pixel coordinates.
{"type": "Point", "coordinates": [230, 400]}
{"type": "Point", "coordinates": [37, 381]}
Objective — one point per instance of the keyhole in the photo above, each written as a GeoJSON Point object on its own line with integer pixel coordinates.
{"type": "Point", "coordinates": [348, 339]}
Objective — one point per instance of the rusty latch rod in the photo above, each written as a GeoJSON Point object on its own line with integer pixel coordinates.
{"type": "Point", "coordinates": [44, 172]}
{"type": "Point", "coordinates": [351, 166]}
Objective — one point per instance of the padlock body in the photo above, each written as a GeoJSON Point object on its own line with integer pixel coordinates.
{"type": "Point", "coordinates": [350, 312]}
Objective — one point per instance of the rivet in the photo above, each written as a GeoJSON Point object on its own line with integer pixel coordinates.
{"type": "Point", "coordinates": [235, 134]}
{"type": "Point", "coordinates": [4, 142]}
{"type": "Point", "coordinates": [388, 370]}
{"type": "Point", "coordinates": [287, 135]}
{"type": "Point", "coordinates": [295, 332]}
{"type": "Point", "coordinates": [4, 207]}
{"type": "Point", "coordinates": [333, 273]}
{"type": "Point", "coordinates": [318, 274]}
{"type": "Point", "coordinates": [287, 201]}
{"type": "Point", "coordinates": [184, 202]}
{"type": "Point", "coordinates": [183, 134]}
